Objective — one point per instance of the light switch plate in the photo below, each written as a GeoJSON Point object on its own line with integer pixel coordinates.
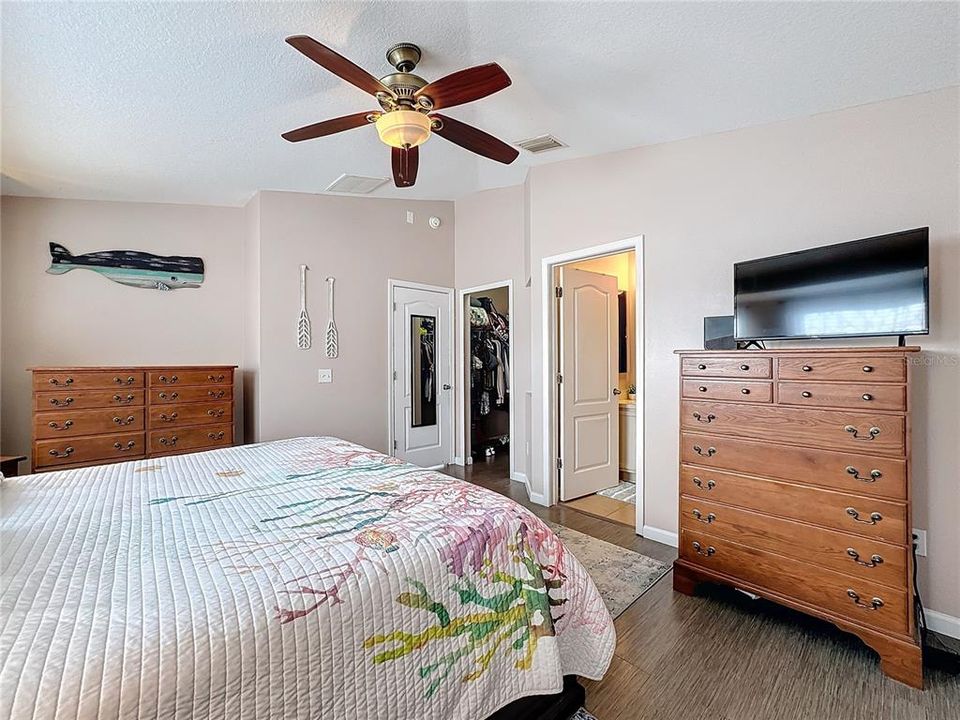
{"type": "Point", "coordinates": [920, 538]}
{"type": "Point", "coordinates": [325, 375]}
{"type": "Point", "coordinates": [410, 217]}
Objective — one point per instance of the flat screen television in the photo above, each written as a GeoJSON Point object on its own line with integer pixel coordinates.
{"type": "Point", "coordinates": [865, 288]}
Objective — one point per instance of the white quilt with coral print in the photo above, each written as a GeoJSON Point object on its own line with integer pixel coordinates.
{"type": "Point", "coordinates": [305, 578]}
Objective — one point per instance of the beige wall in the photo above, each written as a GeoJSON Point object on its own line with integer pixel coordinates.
{"type": "Point", "coordinates": [81, 318]}
{"type": "Point", "coordinates": [705, 203]}
{"type": "Point", "coordinates": [361, 242]}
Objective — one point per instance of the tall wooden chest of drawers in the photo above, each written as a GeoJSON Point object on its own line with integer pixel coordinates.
{"type": "Point", "coordinates": [795, 485]}
{"type": "Point", "coordinates": [97, 415]}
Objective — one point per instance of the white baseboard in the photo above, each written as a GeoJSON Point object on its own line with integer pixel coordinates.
{"type": "Point", "coordinates": [457, 460]}
{"type": "Point", "coordinates": [520, 477]}
{"type": "Point", "coordinates": [537, 498]}
{"type": "Point", "coordinates": [661, 536]}
{"type": "Point", "coordinates": [942, 623]}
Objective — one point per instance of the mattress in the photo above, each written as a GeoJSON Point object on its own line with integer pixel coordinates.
{"type": "Point", "coordinates": [303, 578]}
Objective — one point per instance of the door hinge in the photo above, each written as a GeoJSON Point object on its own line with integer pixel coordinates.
{"type": "Point", "coordinates": [394, 374]}
{"type": "Point", "coordinates": [394, 307]}
{"type": "Point", "coordinates": [559, 379]}
{"type": "Point", "coordinates": [394, 444]}
{"type": "Point", "coordinates": [558, 292]}
{"type": "Point", "coordinates": [559, 463]}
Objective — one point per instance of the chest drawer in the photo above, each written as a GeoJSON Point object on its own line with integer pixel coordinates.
{"type": "Point", "coordinates": [727, 367]}
{"type": "Point", "coordinates": [118, 447]}
{"type": "Point", "coordinates": [70, 423]}
{"type": "Point", "coordinates": [837, 470]}
{"type": "Point", "coordinates": [87, 380]}
{"type": "Point", "coordinates": [852, 555]}
{"type": "Point", "coordinates": [167, 378]}
{"type": "Point", "coordinates": [823, 428]}
{"type": "Point", "coordinates": [862, 601]}
{"type": "Point", "coordinates": [192, 438]}
{"type": "Point", "coordinates": [172, 416]}
{"type": "Point", "coordinates": [80, 399]}
{"type": "Point", "coordinates": [188, 394]}
{"type": "Point", "coordinates": [851, 369]}
{"type": "Point", "coordinates": [747, 391]}
{"type": "Point", "coordinates": [856, 396]}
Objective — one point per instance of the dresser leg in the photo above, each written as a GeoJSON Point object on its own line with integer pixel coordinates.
{"type": "Point", "coordinates": [900, 660]}
{"type": "Point", "coordinates": [684, 580]}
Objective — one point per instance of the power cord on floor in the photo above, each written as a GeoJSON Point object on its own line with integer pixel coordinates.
{"type": "Point", "coordinates": [935, 652]}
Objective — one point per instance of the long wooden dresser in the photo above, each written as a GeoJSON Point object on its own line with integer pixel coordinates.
{"type": "Point", "coordinates": [97, 415]}
{"type": "Point", "coordinates": [795, 486]}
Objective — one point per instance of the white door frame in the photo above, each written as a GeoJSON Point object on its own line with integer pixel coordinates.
{"type": "Point", "coordinates": [462, 371]}
{"type": "Point", "coordinates": [391, 430]}
{"type": "Point", "coordinates": [550, 361]}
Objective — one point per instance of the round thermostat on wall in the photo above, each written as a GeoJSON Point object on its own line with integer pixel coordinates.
{"type": "Point", "coordinates": [434, 222]}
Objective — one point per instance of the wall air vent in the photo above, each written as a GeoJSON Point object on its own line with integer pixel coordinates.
{"type": "Point", "coordinates": [355, 184]}
{"type": "Point", "coordinates": [541, 143]}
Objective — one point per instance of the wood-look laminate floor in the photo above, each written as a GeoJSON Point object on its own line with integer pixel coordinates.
{"type": "Point", "coordinates": [723, 656]}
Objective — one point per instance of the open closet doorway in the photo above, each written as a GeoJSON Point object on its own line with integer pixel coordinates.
{"type": "Point", "coordinates": [488, 417]}
{"type": "Point", "coordinates": [595, 333]}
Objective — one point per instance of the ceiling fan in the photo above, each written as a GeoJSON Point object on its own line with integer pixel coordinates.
{"type": "Point", "coordinates": [408, 102]}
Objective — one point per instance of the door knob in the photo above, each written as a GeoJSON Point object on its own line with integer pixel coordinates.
{"type": "Point", "coordinates": [446, 387]}
{"type": "Point", "coordinates": [616, 391]}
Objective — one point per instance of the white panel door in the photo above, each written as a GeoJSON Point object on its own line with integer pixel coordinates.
{"type": "Point", "coordinates": [422, 376]}
{"type": "Point", "coordinates": [589, 411]}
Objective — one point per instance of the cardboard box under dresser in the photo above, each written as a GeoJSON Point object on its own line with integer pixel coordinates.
{"type": "Point", "coordinates": [97, 415]}
{"type": "Point", "coordinates": [795, 485]}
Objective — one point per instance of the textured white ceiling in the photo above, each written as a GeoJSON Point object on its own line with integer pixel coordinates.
{"type": "Point", "coordinates": [185, 102]}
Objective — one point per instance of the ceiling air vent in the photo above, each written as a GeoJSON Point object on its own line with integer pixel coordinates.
{"type": "Point", "coordinates": [541, 143]}
{"type": "Point", "coordinates": [355, 184]}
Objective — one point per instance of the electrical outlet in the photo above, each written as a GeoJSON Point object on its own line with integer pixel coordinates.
{"type": "Point", "coordinates": [410, 217]}
{"type": "Point", "coordinates": [920, 538]}
{"type": "Point", "coordinates": [325, 375]}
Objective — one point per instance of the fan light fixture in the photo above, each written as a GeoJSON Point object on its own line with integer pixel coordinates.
{"type": "Point", "coordinates": [403, 128]}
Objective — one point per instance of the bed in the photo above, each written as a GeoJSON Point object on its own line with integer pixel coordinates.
{"type": "Point", "coordinates": [303, 578]}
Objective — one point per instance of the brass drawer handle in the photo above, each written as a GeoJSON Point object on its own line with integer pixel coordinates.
{"type": "Point", "coordinates": [711, 451]}
{"type": "Point", "coordinates": [66, 425]}
{"type": "Point", "coordinates": [119, 399]}
{"type": "Point", "coordinates": [806, 394]}
{"type": "Point", "coordinates": [874, 474]}
{"type": "Point", "coordinates": [168, 380]}
{"type": "Point", "coordinates": [875, 517]}
{"type": "Point", "coordinates": [67, 452]}
{"type": "Point", "coordinates": [216, 395]}
{"type": "Point", "coordinates": [868, 368]}
{"type": "Point", "coordinates": [169, 418]}
{"type": "Point", "coordinates": [702, 388]}
{"type": "Point", "coordinates": [875, 604]}
{"type": "Point", "coordinates": [171, 396]}
{"type": "Point", "coordinates": [711, 484]}
{"type": "Point", "coordinates": [120, 421]}
{"type": "Point", "coordinates": [218, 378]}
{"type": "Point", "coordinates": [744, 391]}
{"type": "Point", "coordinates": [68, 381]}
{"type": "Point", "coordinates": [807, 368]}
{"type": "Point", "coordinates": [701, 366]}
{"type": "Point", "coordinates": [700, 551]}
{"type": "Point", "coordinates": [871, 433]}
{"type": "Point", "coordinates": [699, 418]}
{"type": "Point", "coordinates": [874, 560]}
{"type": "Point", "coordinates": [57, 403]}
{"type": "Point", "coordinates": [699, 516]}
{"type": "Point", "coordinates": [215, 436]}
{"type": "Point", "coordinates": [120, 381]}
{"type": "Point", "coordinates": [867, 396]}
{"type": "Point", "coordinates": [172, 440]}
{"type": "Point", "coordinates": [124, 448]}
{"type": "Point", "coordinates": [215, 413]}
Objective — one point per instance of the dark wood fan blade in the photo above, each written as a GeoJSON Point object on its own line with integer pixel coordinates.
{"type": "Point", "coordinates": [338, 64]}
{"type": "Point", "coordinates": [469, 138]}
{"type": "Point", "coordinates": [327, 127]}
{"type": "Point", "coordinates": [406, 161]}
{"type": "Point", "coordinates": [465, 86]}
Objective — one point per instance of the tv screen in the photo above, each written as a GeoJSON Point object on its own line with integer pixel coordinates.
{"type": "Point", "coordinates": [864, 288]}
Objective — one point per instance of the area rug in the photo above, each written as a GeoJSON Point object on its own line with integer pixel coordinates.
{"type": "Point", "coordinates": [625, 491]}
{"type": "Point", "coordinates": [582, 714]}
{"type": "Point", "coordinates": [620, 575]}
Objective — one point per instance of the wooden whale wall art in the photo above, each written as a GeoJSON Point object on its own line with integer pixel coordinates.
{"type": "Point", "coordinates": [130, 267]}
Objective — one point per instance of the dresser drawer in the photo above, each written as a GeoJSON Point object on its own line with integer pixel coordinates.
{"type": "Point", "coordinates": [748, 391]}
{"type": "Point", "coordinates": [797, 502]}
{"type": "Point", "coordinates": [192, 438]}
{"type": "Point", "coordinates": [188, 394]}
{"type": "Point", "coordinates": [859, 473]}
{"type": "Point", "coordinates": [70, 423]}
{"type": "Point", "coordinates": [852, 598]}
{"type": "Point", "coordinates": [824, 428]}
{"type": "Point", "coordinates": [172, 376]}
{"type": "Point", "coordinates": [860, 368]}
{"type": "Point", "coordinates": [87, 380]}
{"type": "Point", "coordinates": [118, 447]}
{"type": "Point", "coordinates": [849, 554]}
{"type": "Point", "coordinates": [857, 396]}
{"type": "Point", "coordinates": [172, 416]}
{"type": "Point", "coordinates": [727, 367]}
{"type": "Point", "coordinates": [80, 399]}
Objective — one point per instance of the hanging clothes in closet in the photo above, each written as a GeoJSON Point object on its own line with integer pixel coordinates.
{"type": "Point", "coordinates": [490, 374]}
